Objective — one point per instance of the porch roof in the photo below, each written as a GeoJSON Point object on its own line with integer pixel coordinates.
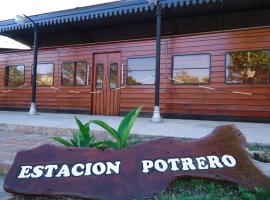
{"type": "Point", "coordinates": [131, 19]}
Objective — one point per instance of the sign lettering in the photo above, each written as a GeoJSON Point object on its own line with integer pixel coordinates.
{"type": "Point", "coordinates": [134, 173]}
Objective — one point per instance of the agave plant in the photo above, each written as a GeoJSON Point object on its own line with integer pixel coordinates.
{"type": "Point", "coordinates": [120, 135]}
{"type": "Point", "coordinates": [81, 137]}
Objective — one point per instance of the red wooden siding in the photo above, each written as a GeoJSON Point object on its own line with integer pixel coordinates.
{"type": "Point", "coordinates": [177, 99]}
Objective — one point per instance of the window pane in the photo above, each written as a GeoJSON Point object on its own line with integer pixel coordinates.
{"type": "Point", "coordinates": [44, 74]}
{"type": "Point", "coordinates": [248, 67]}
{"type": "Point", "coordinates": [141, 64]}
{"type": "Point", "coordinates": [140, 77]}
{"type": "Point", "coordinates": [14, 75]}
{"type": "Point", "coordinates": [114, 75]}
{"type": "Point", "coordinates": [191, 69]}
{"type": "Point", "coordinates": [99, 75]}
{"type": "Point", "coordinates": [81, 73]}
{"type": "Point", "coordinates": [68, 74]}
{"type": "Point", "coordinates": [191, 76]}
{"type": "Point", "coordinates": [191, 61]}
{"type": "Point", "coordinates": [140, 71]}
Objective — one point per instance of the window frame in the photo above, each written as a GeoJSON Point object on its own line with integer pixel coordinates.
{"type": "Point", "coordinates": [6, 80]}
{"type": "Point", "coordinates": [193, 54]}
{"type": "Point", "coordinates": [38, 74]}
{"type": "Point", "coordinates": [140, 57]}
{"type": "Point", "coordinates": [75, 73]}
{"type": "Point", "coordinates": [225, 66]}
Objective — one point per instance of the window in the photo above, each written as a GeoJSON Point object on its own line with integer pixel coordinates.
{"type": "Point", "coordinates": [114, 75]}
{"type": "Point", "coordinates": [141, 71]}
{"type": "Point", "coordinates": [191, 69]}
{"type": "Point", "coordinates": [74, 73]}
{"type": "Point", "coordinates": [248, 67]}
{"type": "Point", "coordinates": [44, 74]}
{"type": "Point", "coordinates": [14, 75]}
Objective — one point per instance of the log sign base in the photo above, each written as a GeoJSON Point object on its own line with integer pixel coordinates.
{"type": "Point", "coordinates": [134, 173]}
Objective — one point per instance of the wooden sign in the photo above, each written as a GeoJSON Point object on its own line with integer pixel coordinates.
{"type": "Point", "coordinates": [135, 173]}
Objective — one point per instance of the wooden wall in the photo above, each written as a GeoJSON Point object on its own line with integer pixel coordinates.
{"type": "Point", "coordinates": [194, 100]}
{"type": "Point", "coordinates": [174, 99]}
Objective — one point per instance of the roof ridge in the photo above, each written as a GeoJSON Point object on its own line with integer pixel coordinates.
{"type": "Point", "coordinates": [108, 9]}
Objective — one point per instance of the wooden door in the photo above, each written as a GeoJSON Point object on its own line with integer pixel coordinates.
{"type": "Point", "coordinates": [106, 79]}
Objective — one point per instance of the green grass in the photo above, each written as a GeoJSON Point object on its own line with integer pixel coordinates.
{"type": "Point", "coordinates": [258, 147]}
{"type": "Point", "coordinates": [191, 189]}
{"type": "Point", "coordinates": [197, 189]}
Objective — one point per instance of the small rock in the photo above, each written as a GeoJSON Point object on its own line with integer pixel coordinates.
{"type": "Point", "coordinates": [263, 156]}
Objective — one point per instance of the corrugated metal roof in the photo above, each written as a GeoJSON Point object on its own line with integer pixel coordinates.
{"type": "Point", "coordinates": [97, 11]}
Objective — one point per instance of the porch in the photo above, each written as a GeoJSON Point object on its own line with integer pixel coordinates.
{"type": "Point", "coordinates": [64, 124]}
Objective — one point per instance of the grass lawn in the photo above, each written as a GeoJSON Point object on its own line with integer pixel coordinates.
{"type": "Point", "coordinates": [194, 189]}
{"type": "Point", "coordinates": [197, 189]}
{"type": "Point", "coordinates": [259, 147]}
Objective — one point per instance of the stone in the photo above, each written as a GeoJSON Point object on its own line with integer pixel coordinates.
{"type": "Point", "coordinates": [141, 171]}
{"type": "Point", "coordinates": [263, 156]}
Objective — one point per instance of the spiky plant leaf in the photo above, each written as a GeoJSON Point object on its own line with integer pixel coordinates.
{"type": "Point", "coordinates": [126, 125]}
{"type": "Point", "coordinates": [73, 143]}
{"type": "Point", "coordinates": [84, 129]}
{"type": "Point", "coordinates": [77, 139]}
{"type": "Point", "coordinates": [108, 128]}
{"type": "Point", "coordinates": [62, 141]}
{"type": "Point", "coordinates": [106, 144]}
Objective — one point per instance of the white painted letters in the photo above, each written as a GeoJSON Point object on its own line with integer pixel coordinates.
{"type": "Point", "coordinates": [75, 171]}
{"type": "Point", "coordinates": [214, 162]}
{"type": "Point", "coordinates": [228, 160]}
{"type": "Point", "coordinates": [147, 164]}
{"type": "Point", "coordinates": [37, 171]}
{"type": "Point", "coordinates": [187, 164]}
{"type": "Point", "coordinates": [25, 172]}
{"type": "Point", "coordinates": [201, 163]}
{"type": "Point", "coordinates": [173, 163]}
{"type": "Point", "coordinates": [64, 171]}
{"type": "Point", "coordinates": [113, 168]}
{"type": "Point", "coordinates": [161, 165]}
{"type": "Point", "coordinates": [50, 169]}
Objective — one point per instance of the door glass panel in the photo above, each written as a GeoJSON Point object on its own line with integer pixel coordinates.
{"type": "Point", "coordinates": [113, 75]}
{"type": "Point", "coordinates": [99, 76]}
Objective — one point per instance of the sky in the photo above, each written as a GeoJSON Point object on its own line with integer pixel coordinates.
{"type": "Point", "coordinates": [10, 8]}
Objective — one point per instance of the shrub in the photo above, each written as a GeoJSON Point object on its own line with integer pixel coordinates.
{"type": "Point", "coordinates": [120, 135]}
{"type": "Point", "coordinates": [81, 137]}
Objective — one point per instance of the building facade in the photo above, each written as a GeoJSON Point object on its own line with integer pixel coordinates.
{"type": "Point", "coordinates": [215, 60]}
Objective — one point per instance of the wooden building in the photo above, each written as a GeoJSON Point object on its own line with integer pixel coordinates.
{"type": "Point", "coordinates": [215, 59]}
